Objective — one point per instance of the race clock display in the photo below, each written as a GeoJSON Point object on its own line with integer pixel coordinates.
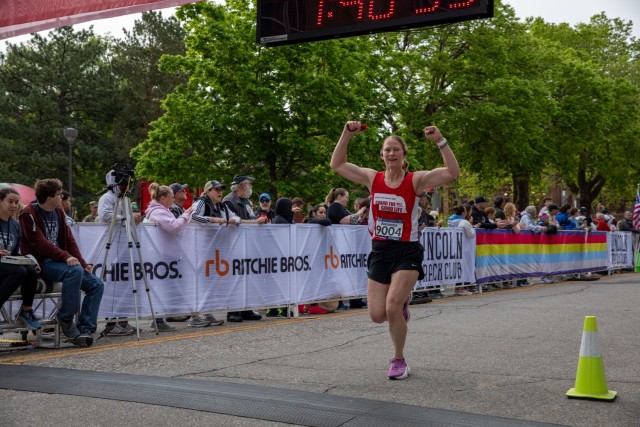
{"type": "Point", "coordinates": [296, 21]}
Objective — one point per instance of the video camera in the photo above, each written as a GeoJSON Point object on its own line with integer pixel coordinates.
{"type": "Point", "coordinates": [122, 173]}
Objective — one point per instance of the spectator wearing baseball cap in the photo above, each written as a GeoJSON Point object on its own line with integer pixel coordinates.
{"type": "Point", "coordinates": [93, 205]}
{"type": "Point", "coordinates": [180, 195]}
{"type": "Point", "coordinates": [265, 209]}
{"type": "Point", "coordinates": [584, 221]}
{"type": "Point", "coordinates": [480, 218]}
{"type": "Point", "coordinates": [609, 219]}
{"type": "Point", "coordinates": [176, 187]}
{"type": "Point", "coordinates": [238, 202]}
{"type": "Point", "coordinates": [208, 208]}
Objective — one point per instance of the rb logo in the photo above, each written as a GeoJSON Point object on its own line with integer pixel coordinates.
{"type": "Point", "coordinates": [222, 266]}
{"type": "Point", "coordinates": [333, 258]}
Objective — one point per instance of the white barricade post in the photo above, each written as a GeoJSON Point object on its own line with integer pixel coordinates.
{"type": "Point", "coordinates": [619, 249]}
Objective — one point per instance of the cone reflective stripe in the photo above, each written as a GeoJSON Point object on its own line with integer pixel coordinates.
{"type": "Point", "coordinates": [591, 382]}
{"type": "Point", "coordinates": [590, 346]}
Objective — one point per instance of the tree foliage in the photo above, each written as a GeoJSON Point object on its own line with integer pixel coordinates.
{"type": "Point", "coordinates": [195, 98]}
{"type": "Point", "coordinates": [142, 85]}
{"type": "Point", "coordinates": [271, 113]}
{"type": "Point", "coordinates": [109, 90]}
{"type": "Point", "coordinates": [595, 131]}
{"type": "Point", "coordinates": [46, 85]}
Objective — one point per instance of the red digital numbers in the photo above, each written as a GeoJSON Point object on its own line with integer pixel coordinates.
{"type": "Point", "coordinates": [431, 9]}
{"type": "Point", "coordinates": [359, 3]}
{"type": "Point", "coordinates": [462, 4]}
{"type": "Point", "coordinates": [342, 3]}
{"type": "Point", "coordinates": [387, 15]}
{"type": "Point", "coordinates": [379, 10]}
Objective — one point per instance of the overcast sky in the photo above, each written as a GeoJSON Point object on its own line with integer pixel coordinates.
{"type": "Point", "coordinates": [575, 11]}
{"type": "Point", "coordinates": [571, 11]}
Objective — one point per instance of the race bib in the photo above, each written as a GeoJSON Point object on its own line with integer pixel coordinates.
{"type": "Point", "coordinates": [389, 228]}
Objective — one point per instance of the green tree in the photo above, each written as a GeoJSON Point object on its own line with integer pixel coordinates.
{"type": "Point", "coordinates": [274, 113]}
{"type": "Point", "coordinates": [482, 82]}
{"type": "Point", "coordinates": [596, 128]}
{"type": "Point", "coordinates": [143, 86]}
{"type": "Point", "coordinates": [46, 85]}
{"type": "Point", "coordinates": [503, 109]}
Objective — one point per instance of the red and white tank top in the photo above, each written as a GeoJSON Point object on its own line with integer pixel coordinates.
{"type": "Point", "coordinates": [394, 211]}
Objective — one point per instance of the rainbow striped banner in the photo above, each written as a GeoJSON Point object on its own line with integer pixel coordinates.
{"type": "Point", "coordinates": [503, 255]}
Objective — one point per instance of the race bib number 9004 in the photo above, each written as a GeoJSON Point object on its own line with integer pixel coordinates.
{"type": "Point", "coordinates": [389, 228]}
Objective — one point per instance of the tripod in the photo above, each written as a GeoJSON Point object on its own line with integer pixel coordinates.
{"type": "Point", "coordinates": [124, 205]}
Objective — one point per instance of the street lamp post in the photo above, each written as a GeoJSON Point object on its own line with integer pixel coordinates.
{"type": "Point", "coordinates": [70, 135]}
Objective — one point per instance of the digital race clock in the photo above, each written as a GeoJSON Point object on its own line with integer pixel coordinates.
{"type": "Point", "coordinates": [296, 21]}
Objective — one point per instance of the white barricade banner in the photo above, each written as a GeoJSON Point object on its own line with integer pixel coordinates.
{"type": "Point", "coordinates": [169, 265]}
{"type": "Point", "coordinates": [211, 268]}
{"type": "Point", "coordinates": [449, 257]}
{"type": "Point", "coordinates": [337, 261]}
{"type": "Point", "coordinates": [619, 249]}
{"type": "Point", "coordinates": [240, 267]}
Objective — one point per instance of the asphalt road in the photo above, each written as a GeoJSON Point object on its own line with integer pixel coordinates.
{"type": "Point", "coordinates": [510, 354]}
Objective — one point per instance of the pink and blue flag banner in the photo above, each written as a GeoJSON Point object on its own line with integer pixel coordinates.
{"type": "Point", "coordinates": [636, 225]}
{"type": "Point", "coordinates": [503, 255]}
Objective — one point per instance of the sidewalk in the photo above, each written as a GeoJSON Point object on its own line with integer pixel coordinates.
{"type": "Point", "coordinates": [510, 354]}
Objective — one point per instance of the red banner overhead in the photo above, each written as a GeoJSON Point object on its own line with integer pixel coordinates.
{"type": "Point", "coordinates": [29, 16]}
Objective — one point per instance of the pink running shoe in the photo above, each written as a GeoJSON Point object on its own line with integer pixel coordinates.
{"type": "Point", "coordinates": [405, 308]}
{"type": "Point", "coordinates": [398, 369]}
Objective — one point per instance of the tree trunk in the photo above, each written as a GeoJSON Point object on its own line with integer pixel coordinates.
{"type": "Point", "coordinates": [521, 190]}
{"type": "Point", "coordinates": [587, 189]}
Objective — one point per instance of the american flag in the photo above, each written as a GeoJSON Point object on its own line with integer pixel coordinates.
{"type": "Point", "coordinates": [636, 212]}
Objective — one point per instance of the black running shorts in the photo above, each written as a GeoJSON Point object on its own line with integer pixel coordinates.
{"type": "Point", "coordinates": [389, 256]}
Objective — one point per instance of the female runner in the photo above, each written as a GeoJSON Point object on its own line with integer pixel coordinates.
{"type": "Point", "coordinates": [395, 262]}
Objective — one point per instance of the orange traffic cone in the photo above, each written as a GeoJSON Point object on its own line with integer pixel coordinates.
{"type": "Point", "coordinates": [591, 382]}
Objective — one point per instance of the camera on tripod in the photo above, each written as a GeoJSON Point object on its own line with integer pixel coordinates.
{"type": "Point", "coordinates": [122, 173]}
{"type": "Point", "coordinates": [119, 176]}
